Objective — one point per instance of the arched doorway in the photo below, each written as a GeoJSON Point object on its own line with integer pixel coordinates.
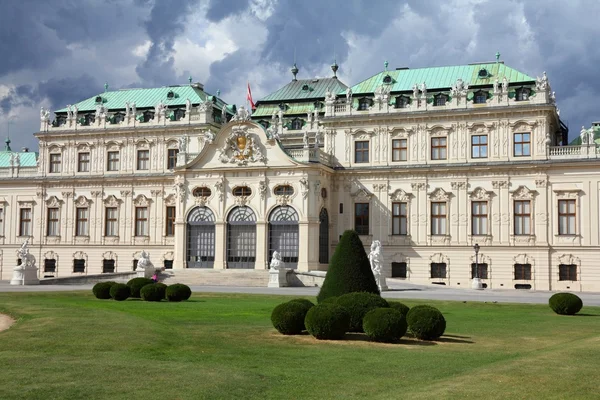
{"type": "Point", "coordinates": [324, 237]}
{"type": "Point", "coordinates": [241, 238]}
{"type": "Point", "coordinates": [284, 235]}
{"type": "Point", "coordinates": [200, 238]}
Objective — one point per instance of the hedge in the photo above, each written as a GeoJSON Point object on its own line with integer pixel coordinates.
{"type": "Point", "coordinates": [102, 290]}
{"type": "Point", "coordinates": [136, 284]}
{"type": "Point", "coordinates": [358, 304]}
{"type": "Point", "coordinates": [565, 303]}
{"type": "Point", "coordinates": [426, 322]}
{"type": "Point", "coordinates": [327, 321]}
{"type": "Point", "coordinates": [288, 318]}
{"type": "Point", "coordinates": [153, 292]}
{"type": "Point", "coordinates": [178, 292]}
{"type": "Point", "coordinates": [120, 291]}
{"type": "Point", "coordinates": [385, 325]}
{"type": "Point", "coordinates": [403, 308]}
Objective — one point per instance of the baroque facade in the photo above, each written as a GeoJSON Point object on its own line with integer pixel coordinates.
{"type": "Point", "coordinates": [428, 161]}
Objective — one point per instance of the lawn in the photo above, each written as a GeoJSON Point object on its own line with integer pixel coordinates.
{"type": "Point", "coordinates": [222, 346]}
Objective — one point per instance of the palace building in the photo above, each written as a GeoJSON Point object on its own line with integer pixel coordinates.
{"type": "Point", "coordinates": [429, 161]}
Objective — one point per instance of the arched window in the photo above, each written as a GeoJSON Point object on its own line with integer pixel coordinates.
{"type": "Point", "coordinates": [284, 235]}
{"type": "Point", "coordinates": [200, 251]}
{"type": "Point", "coordinates": [480, 97]}
{"type": "Point", "coordinates": [243, 191]}
{"type": "Point", "coordinates": [364, 104]}
{"type": "Point", "coordinates": [283, 190]}
{"type": "Point", "coordinates": [201, 192]}
{"type": "Point", "coordinates": [241, 238]}
{"type": "Point", "coordinates": [297, 124]}
{"type": "Point", "coordinates": [147, 116]}
{"type": "Point", "coordinates": [523, 94]}
{"type": "Point", "coordinates": [324, 237]}
{"type": "Point", "coordinates": [118, 118]}
{"type": "Point", "coordinates": [439, 100]}
{"type": "Point", "coordinates": [401, 102]}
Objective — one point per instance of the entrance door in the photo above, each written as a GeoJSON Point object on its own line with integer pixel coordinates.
{"type": "Point", "coordinates": [241, 238]}
{"type": "Point", "coordinates": [201, 238]}
{"type": "Point", "coordinates": [323, 237]}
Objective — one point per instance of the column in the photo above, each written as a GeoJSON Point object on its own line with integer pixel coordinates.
{"type": "Point", "coordinates": [220, 243]}
{"type": "Point", "coordinates": [261, 245]}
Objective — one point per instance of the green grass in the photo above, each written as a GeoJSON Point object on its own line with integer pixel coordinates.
{"type": "Point", "coordinates": [222, 346]}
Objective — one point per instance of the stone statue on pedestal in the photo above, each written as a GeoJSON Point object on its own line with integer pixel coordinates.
{"type": "Point", "coordinates": [376, 259]}
{"type": "Point", "coordinates": [145, 268]}
{"type": "Point", "coordinates": [26, 272]}
{"type": "Point", "coordinates": [277, 271]}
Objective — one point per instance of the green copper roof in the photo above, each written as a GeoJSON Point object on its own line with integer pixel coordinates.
{"type": "Point", "coordinates": [267, 110]}
{"type": "Point", "coordinates": [441, 77]}
{"type": "Point", "coordinates": [305, 89]}
{"type": "Point", "coordinates": [28, 159]}
{"type": "Point", "coordinates": [147, 98]}
{"type": "Point", "coordinates": [577, 140]}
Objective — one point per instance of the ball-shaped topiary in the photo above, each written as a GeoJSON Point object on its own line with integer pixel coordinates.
{"type": "Point", "coordinates": [288, 318]}
{"type": "Point", "coordinates": [327, 321]}
{"type": "Point", "coordinates": [403, 308]}
{"type": "Point", "coordinates": [178, 292]}
{"type": "Point", "coordinates": [102, 290]}
{"type": "Point", "coordinates": [385, 325]}
{"type": "Point", "coordinates": [153, 292]}
{"type": "Point", "coordinates": [565, 303]}
{"type": "Point", "coordinates": [136, 284]}
{"type": "Point", "coordinates": [120, 291]}
{"type": "Point", "coordinates": [307, 303]}
{"type": "Point", "coordinates": [358, 304]}
{"type": "Point", "coordinates": [426, 322]}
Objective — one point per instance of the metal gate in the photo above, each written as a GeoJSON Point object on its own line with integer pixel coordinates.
{"type": "Point", "coordinates": [201, 238]}
{"type": "Point", "coordinates": [284, 236]}
{"type": "Point", "coordinates": [241, 238]}
{"type": "Point", "coordinates": [324, 237]}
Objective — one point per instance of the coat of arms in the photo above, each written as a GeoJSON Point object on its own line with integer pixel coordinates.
{"type": "Point", "coordinates": [240, 148]}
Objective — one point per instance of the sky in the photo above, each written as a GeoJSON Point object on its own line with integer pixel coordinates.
{"type": "Point", "coordinates": [59, 52]}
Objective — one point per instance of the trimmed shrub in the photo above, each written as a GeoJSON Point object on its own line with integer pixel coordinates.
{"type": "Point", "coordinates": [288, 318]}
{"type": "Point", "coordinates": [349, 269]}
{"type": "Point", "coordinates": [153, 292]}
{"type": "Point", "coordinates": [565, 303]}
{"type": "Point", "coordinates": [120, 291]}
{"type": "Point", "coordinates": [102, 290]}
{"type": "Point", "coordinates": [136, 284]}
{"type": "Point", "coordinates": [403, 308]}
{"type": "Point", "coordinates": [178, 292]}
{"type": "Point", "coordinates": [307, 303]}
{"type": "Point", "coordinates": [426, 322]}
{"type": "Point", "coordinates": [385, 325]}
{"type": "Point", "coordinates": [358, 304]}
{"type": "Point", "coordinates": [163, 288]}
{"type": "Point", "coordinates": [327, 321]}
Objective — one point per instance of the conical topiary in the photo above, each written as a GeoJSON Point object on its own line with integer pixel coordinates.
{"type": "Point", "coordinates": [349, 269]}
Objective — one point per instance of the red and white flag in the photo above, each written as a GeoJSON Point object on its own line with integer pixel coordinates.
{"type": "Point", "coordinates": [249, 97]}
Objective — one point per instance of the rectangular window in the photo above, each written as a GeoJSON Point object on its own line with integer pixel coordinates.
{"type": "Point", "coordinates": [361, 218]}
{"type": "Point", "coordinates": [479, 218]}
{"type": "Point", "coordinates": [50, 265]}
{"type": "Point", "coordinates": [79, 265]}
{"type": "Point", "coordinates": [53, 222]}
{"type": "Point", "coordinates": [170, 223]}
{"type": "Point", "coordinates": [482, 271]}
{"type": "Point", "coordinates": [399, 270]}
{"type": "Point", "coordinates": [143, 160]}
{"type": "Point", "coordinates": [141, 221]}
{"type": "Point", "coordinates": [55, 163]}
{"type": "Point", "coordinates": [1, 222]}
{"type": "Point", "coordinates": [438, 270]}
{"type": "Point", "coordinates": [112, 161]}
{"type": "Point", "coordinates": [172, 158]}
{"type": "Point", "coordinates": [567, 272]}
{"type": "Point", "coordinates": [111, 222]}
{"type": "Point", "coordinates": [108, 266]}
{"type": "Point", "coordinates": [168, 264]}
{"type": "Point", "coordinates": [399, 150]}
{"type": "Point", "coordinates": [438, 148]}
{"type": "Point", "coordinates": [83, 162]}
{"type": "Point", "coordinates": [361, 152]}
{"type": "Point", "coordinates": [81, 221]}
{"type": "Point", "coordinates": [522, 214]}
{"type": "Point", "coordinates": [134, 265]}
{"type": "Point", "coordinates": [522, 272]}
{"type": "Point", "coordinates": [566, 217]}
{"type": "Point", "coordinates": [522, 144]}
{"type": "Point", "coordinates": [399, 219]}
{"type": "Point", "coordinates": [25, 222]}
{"type": "Point", "coordinates": [438, 218]}
{"type": "Point", "coordinates": [479, 147]}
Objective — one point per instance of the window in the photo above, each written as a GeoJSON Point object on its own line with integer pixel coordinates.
{"type": "Point", "coordinates": [25, 222]}
{"type": "Point", "coordinates": [81, 223]}
{"type": "Point", "coordinates": [479, 218]}
{"type": "Point", "coordinates": [141, 221]}
{"type": "Point", "coordinates": [1, 222]}
{"type": "Point", "coordinates": [522, 214]}
{"type": "Point", "coordinates": [83, 162]}
{"type": "Point", "coordinates": [399, 149]}
{"type": "Point", "coordinates": [439, 100]}
{"type": "Point", "coordinates": [364, 104]}
{"type": "Point", "coordinates": [201, 192]}
{"type": "Point", "coordinates": [399, 219]}
{"type": "Point", "coordinates": [438, 270]}
{"type": "Point", "coordinates": [242, 191]}
{"type": "Point", "coordinates": [297, 124]}
{"type": "Point", "coordinates": [284, 190]}
{"type": "Point", "coordinates": [401, 102]}
{"type": "Point", "coordinates": [341, 208]}
{"type": "Point", "coordinates": [522, 144]}
{"type": "Point", "coordinates": [522, 272]}
{"type": "Point", "coordinates": [135, 264]}
{"type": "Point", "coordinates": [479, 146]}
{"type": "Point", "coordinates": [567, 272]}
{"type": "Point", "coordinates": [168, 264]}
{"type": "Point", "coordinates": [143, 160]}
{"type": "Point", "coordinates": [49, 265]}
{"type": "Point", "coordinates": [480, 97]}
{"type": "Point", "coordinates": [108, 266]}
{"type": "Point", "coordinates": [170, 221]}
{"type": "Point", "coordinates": [482, 271]}
{"type": "Point", "coordinates": [361, 152]}
{"type": "Point", "coordinates": [111, 222]}
{"type": "Point", "coordinates": [438, 148]}
{"type": "Point", "coordinates": [53, 222]}
{"type": "Point", "coordinates": [361, 218]}
{"type": "Point", "coordinates": [55, 163]}
{"type": "Point", "coordinates": [172, 158]}
{"type": "Point", "coordinates": [438, 218]}
{"type": "Point", "coordinates": [79, 265]}
{"type": "Point", "coordinates": [523, 94]}
{"type": "Point", "coordinates": [323, 193]}
{"type": "Point", "coordinates": [398, 270]}
{"type": "Point", "coordinates": [566, 217]}
{"type": "Point", "coordinates": [112, 161]}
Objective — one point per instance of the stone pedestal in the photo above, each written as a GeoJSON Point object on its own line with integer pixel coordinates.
{"type": "Point", "coordinates": [382, 284]}
{"type": "Point", "coordinates": [476, 284]}
{"type": "Point", "coordinates": [278, 277]}
{"type": "Point", "coordinates": [25, 275]}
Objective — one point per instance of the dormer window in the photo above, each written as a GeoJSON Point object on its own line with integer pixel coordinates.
{"type": "Point", "coordinates": [523, 94]}
{"type": "Point", "coordinates": [387, 79]}
{"type": "Point", "coordinates": [178, 114]}
{"type": "Point", "coordinates": [364, 104]}
{"type": "Point", "coordinates": [242, 191]}
{"type": "Point", "coordinates": [99, 99]}
{"type": "Point", "coordinates": [480, 97]}
{"type": "Point", "coordinates": [297, 124]}
{"type": "Point", "coordinates": [282, 107]}
{"type": "Point", "coordinates": [318, 105]}
{"type": "Point", "coordinates": [483, 73]}
{"type": "Point", "coordinates": [118, 118]}
{"type": "Point", "coordinates": [305, 88]}
{"type": "Point", "coordinates": [401, 102]}
{"type": "Point", "coordinates": [147, 115]}
{"type": "Point", "coordinates": [171, 94]}
{"type": "Point", "coordinates": [440, 100]}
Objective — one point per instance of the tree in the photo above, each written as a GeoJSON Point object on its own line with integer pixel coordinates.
{"type": "Point", "coordinates": [349, 269]}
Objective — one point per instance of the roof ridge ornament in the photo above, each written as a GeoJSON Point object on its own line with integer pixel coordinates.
{"type": "Point", "coordinates": [294, 72]}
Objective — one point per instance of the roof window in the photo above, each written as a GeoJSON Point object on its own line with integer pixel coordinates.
{"type": "Point", "coordinates": [483, 73]}
{"type": "Point", "coordinates": [171, 94]}
{"type": "Point", "coordinates": [387, 79]}
{"type": "Point", "coordinates": [98, 99]}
